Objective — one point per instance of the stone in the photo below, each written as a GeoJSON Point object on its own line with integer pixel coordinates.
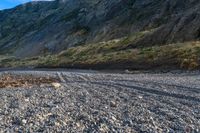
{"type": "Point", "coordinates": [113, 104]}
{"type": "Point", "coordinates": [56, 85]}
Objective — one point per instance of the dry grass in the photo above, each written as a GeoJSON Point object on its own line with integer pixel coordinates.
{"type": "Point", "coordinates": [119, 55]}
{"type": "Point", "coordinates": [10, 81]}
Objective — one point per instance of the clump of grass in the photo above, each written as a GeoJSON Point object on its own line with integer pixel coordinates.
{"type": "Point", "coordinates": [5, 60]}
{"type": "Point", "coordinates": [190, 64]}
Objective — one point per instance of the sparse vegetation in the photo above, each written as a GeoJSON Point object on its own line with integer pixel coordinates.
{"type": "Point", "coordinates": [111, 55]}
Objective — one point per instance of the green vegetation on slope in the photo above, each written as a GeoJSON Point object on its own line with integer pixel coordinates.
{"type": "Point", "coordinates": [180, 55]}
{"type": "Point", "coordinates": [117, 54]}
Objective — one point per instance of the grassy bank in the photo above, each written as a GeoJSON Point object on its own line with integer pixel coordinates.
{"type": "Point", "coordinates": [179, 55]}
{"type": "Point", "coordinates": [117, 54]}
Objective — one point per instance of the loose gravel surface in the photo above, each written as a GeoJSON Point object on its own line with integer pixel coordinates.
{"type": "Point", "coordinates": [103, 102]}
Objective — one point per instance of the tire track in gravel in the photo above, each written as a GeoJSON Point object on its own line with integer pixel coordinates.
{"type": "Point", "coordinates": [174, 86]}
{"type": "Point", "coordinates": [185, 88]}
{"type": "Point", "coordinates": [116, 83]}
{"type": "Point", "coordinates": [162, 93]}
{"type": "Point", "coordinates": [87, 81]}
{"type": "Point", "coordinates": [60, 76]}
{"type": "Point", "coordinates": [142, 89]}
{"type": "Point", "coordinates": [152, 112]}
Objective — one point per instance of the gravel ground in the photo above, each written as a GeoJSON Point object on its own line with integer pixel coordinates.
{"type": "Point", "coordinates": [103, 102]}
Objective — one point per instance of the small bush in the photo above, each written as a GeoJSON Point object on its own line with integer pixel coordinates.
{"type": "Point", "coordinates": [189, 64]}
{"type": "Point", "coordinates": [193, 65]}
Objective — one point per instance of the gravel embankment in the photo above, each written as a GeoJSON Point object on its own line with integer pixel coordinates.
{"type": "Point", "coordinates": [100, 102]}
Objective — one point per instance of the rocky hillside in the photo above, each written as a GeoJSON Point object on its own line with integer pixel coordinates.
{"type": "Point", "coordinates": [41, 27]}
{"type": "Point", "coordinates": [102, 34]}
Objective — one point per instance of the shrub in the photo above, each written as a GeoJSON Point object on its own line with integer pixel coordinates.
{"type": "Point", "coordinates": [189, 64]}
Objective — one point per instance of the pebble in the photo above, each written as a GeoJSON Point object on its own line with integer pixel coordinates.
{"type": "Point", "coordinates": [24, 121]}
{"type": "Point", "coordinates": [97, 104]}
{"type": "Point", "coordinates": [56, 85]}
{"type": "Point", "coordinates": [113, 104]}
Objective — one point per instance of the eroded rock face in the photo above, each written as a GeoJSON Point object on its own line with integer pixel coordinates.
{"type": "Point", "coordinates": [40, 27]}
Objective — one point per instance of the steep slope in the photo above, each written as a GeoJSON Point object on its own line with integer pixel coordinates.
{"type": "Point", "coordinates": [49, 27]}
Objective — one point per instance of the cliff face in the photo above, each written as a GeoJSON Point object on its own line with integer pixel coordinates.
{"type": "Point", "coordinates": [50, 27]}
